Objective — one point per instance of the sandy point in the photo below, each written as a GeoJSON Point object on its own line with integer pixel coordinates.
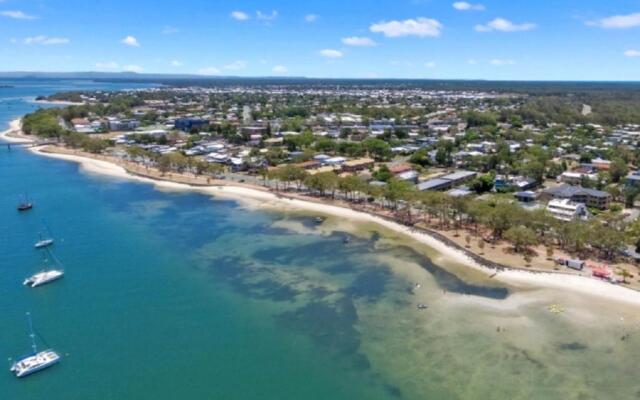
{"type": "Point", "coordinates": [14, 133]}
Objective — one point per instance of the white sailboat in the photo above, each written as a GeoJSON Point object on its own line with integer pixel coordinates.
{"type": "Point", "coordinates": [44, 241]}
{"type": "Point", "coordinates": [45, 276]}
{"type": "Point", "coordinates": [37, 361]}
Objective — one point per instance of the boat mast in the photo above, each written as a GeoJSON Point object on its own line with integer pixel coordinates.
{"type": "Point", "coordinates": [45, 258]}
{"type": "Point", "coordinates": [32, 335]}
{"type": "Point", "coordinates": [47, 229]}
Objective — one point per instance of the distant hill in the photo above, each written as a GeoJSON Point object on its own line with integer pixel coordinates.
{"type": "Point", "coordinates": [182, 80]}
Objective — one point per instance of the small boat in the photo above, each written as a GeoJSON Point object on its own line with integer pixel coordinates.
{"type": "Point", "coordinates": [45, 241]}
{"type": "Point", "coordinates": [319, 220]}
{"type": "Point", "coordinates": [42, 243]}
{"type": "Point", "coordinates": [25, 204]}
{"type": "Point", "coordinates": [45, 276]}
{"type": "Point", "coordinates": [422, 306]}
{"type": "Point", "coordinates": [37, 361]}
{"type": "Point", "coordinates": [346, 240]}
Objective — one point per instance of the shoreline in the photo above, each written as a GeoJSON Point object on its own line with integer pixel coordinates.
{"type": "Point", "coordinates": [59, 102]}
{"type": "Point", "coordinates": [263, 199]}
{"type": "Point", "coordinates": [14, 133]}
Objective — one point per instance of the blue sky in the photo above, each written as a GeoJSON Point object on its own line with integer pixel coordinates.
{"type": "Point", "coordinates": [483, 39]}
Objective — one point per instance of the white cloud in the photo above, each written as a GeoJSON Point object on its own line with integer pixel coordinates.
{"type": "Point", "coordinates": [632, 53]}
{"type": "Point", "coordinates": [131, 41]}
{"type": "Point", "coordinates": [16, 15]}
{"type": "Point", "coordinates": [236, 65]}
{"type": "Point", "coordinates": [472, 61]}
{"type": "Point", "coordinates": [499, 62]}
{"type": "Point", "coordinates": [176, 63]}
{"type": "Point", "coordinates": [464, 6]}
{"type": "Point", "coordinates": [280, 69]}
{"type": "Point", "coordinates": [399, 63]}
{"type": "Point", "coordinates": [107, 65]}
{"type": "Point", "coordinates": [358, 41]}
{"type": "Point", "coordinates": [421, 27]}
{"type": "Point", "coordinates": [266, 17]}
{"type": "Point", "coordinates": [330, 53]}
{"type": "Point", "coordinates": [617, 21]}
{"type": "Point", "coordinates": [169, 30]}
{"type": "Point", "coordinates": [311, 18]}
{"type": "Point", "coordinates": [430, 64]}
{"type": "Point", "coordinates": [45, 40]}
{"type": "Point", "coordinates": [239, 16]}
{"type": "Point", "coordinates": [504, 25]}
{"type": "Point", "coordinates": [132, 68]}
{"type": "Point", "coordinates": [209, 71]}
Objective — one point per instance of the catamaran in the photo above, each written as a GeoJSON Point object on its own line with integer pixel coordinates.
{"type": "Point", "coordinates": [37, 361]}
{"type": "Point", "coordinates": [44, 241]}
{"type": "Point", "coordinates": [45, 276]}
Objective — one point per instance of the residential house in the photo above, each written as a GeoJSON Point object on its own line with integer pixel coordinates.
{"type": "Point", "coordinates": [567, 210]}
{"type": "Point", "coordinates": [187, 124]}
{"type": "Point", "coordinates": [448, 181]}
{"type": "Point", "coordinates": [123, 125]}
{"type": "Point", "coordinates": [358, 164]}
{"type": "Point", "coordinates": [590, 197]}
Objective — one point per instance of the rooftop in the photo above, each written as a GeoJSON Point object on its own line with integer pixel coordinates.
{"type": "Point", "coordinates": [568, 191]}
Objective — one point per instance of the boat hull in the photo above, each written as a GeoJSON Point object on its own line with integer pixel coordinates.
{"type": "Point", "coordinates": [43, 278]}
{"type": "Point", "coordinates": [43, 243]}
{"type": "Point", "coordinates": [35, 363]}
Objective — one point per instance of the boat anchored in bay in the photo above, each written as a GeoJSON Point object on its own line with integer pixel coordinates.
{"type": "Point", "coordinates": [37, 361]}
{"type": "Point", "coordinates": [44, 241]}
{"type": "Point", "coordinates": [25, 204]}
{"type": "Point", "coordinates": [47, 275]}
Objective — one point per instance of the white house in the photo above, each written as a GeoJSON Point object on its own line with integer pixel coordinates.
{"type": "Point", "coordinates": [566, 210]}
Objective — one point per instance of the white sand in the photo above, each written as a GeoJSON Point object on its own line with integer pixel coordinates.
{"type": "Point", "coordinates": [517, 278]}
{"type": "Point", "coordinates": [14, 127]}
{"type": "Point", "coordinates": [59, 102]}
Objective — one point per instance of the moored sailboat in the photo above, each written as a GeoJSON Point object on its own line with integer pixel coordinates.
{"type": "Point", "coordinates": [25, 204]}
{"type": "Point", "coordinates": [47, 275]}
{"type": "Point", "coordinates": [44, 241]}
{"type": "Point", "coordinates": [36, 361]}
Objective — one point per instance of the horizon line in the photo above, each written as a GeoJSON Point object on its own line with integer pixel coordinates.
{"type": "Point", "coordinates": [186, 76]}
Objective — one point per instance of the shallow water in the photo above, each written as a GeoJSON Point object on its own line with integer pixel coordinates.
{"type": "Point", "coordinates": [177, 295]}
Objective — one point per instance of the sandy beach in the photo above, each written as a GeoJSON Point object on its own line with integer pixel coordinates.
{"type": "Point", "coordinates": [517, 278]}
{"type": "Point", "coordinates": [13, 134]}
{"type": "Point", "coordinates": [58, 102]}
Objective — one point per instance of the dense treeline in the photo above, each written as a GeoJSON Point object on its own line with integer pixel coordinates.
{"type": "Point", "coordinates": [491, 220]}
{"type": "Point", "coordinates": [50, 124]}
{"type": "Point", "coordinates": [606, 110]}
